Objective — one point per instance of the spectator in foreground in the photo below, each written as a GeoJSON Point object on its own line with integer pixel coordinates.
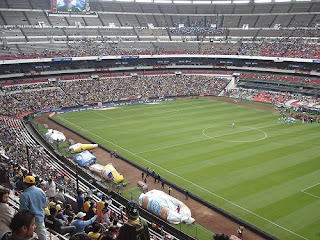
{"type": "Point", "coordinates": [34, 199]}
{"type": "Point", "coordinates": [135, 227]}
{"type": "Point", "coordinates": [23, 225]}
{"type": "Point", "coordinates": [80, 224]}
{"type": "Point", "coordinates": [6, 212]}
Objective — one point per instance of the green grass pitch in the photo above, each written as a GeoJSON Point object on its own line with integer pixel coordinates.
{"type": "Point", "coordinates": [262, 171]}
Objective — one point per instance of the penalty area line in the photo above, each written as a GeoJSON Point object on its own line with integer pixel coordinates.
{"type": "Point", "coordinates": [186, 180]}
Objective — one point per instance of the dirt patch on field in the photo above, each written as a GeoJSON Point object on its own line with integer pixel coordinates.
{"type": "Point", "coordinates": [206, 217]}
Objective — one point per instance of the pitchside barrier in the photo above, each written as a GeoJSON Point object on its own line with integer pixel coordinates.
{"type": "Point", "coordinates": [117, 197]}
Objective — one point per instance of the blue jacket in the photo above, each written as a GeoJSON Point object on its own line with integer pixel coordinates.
{"type": "Point", "coordinates": [80, 225]}
{"type": "Point", "coordinates": [34, 199]}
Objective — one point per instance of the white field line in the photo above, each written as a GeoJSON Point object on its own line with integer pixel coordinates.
{"type": "Point", "coordinates": [103, 115]}
{"type": "Point", "coordinates": [304, 190]}
{"type": "Point", "coordinates": [197, 186]}
{"type": "Point", "coordinates": [310, 194]}
{"type": "Point", "coordinates": [310, 187]}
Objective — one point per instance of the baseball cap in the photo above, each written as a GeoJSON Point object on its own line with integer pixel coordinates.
{"type": "Point", "coordinates": [81, 215]}
{"type": "Point", "coordinates": [30, 180]}
{"type": "Point", "coordinates": [132, 209]}
{"type": "Point", "coordinates": [58, 207]}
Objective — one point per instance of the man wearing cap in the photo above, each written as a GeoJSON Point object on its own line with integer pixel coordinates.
{"type": "Point", "coordinates": [80, 224]}
{"type": "Point", "coordinates": [34, 199]}
{"type": "Point", "coordinates": [135, 227]}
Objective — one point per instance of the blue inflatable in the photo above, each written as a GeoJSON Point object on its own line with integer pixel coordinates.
{"type": "Point", "coordinates": [84, 158]}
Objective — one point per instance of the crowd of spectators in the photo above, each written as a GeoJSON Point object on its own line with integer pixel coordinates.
{"type": "Point", "coordinates": [298, 47]}
{"type": "Point", "coordinates": [281, 99]}
{"type": "Point", "coordinates": [95, 214]}
{"type": "Point", "coordinates": [18, 99]}
{"type": "Point", "coordinates": [282, 47]}
{"type": "Point", "coordinates": [281, 78]}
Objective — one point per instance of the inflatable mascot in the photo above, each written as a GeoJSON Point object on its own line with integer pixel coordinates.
{"type": "Point", "coordinates": [54, 136]}
{"type": "Point", "coordinates": [167, 207]}
{"type": "Point", "coordinates": [110, 173]}
{"type": "Point", "coordinates": [79, 147]}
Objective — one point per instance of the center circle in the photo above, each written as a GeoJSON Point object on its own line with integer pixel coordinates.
{"type": "Point", "coordinates": [235, 134]}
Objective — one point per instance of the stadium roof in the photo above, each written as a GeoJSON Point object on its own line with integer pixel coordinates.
{"type": "Point", "coordinates": [207, 1]}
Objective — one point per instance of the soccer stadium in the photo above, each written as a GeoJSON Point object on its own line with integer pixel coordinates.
{"type": "Point", "coordinates": [160, 119]}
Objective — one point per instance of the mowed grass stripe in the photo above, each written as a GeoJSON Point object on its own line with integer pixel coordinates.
{"type": "Point", "coordinates": [172, 142]}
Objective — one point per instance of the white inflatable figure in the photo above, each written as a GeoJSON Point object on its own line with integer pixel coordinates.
{"type": "Point", "coordinates": [54, 136]}
{"type": "Point", "coordinates": [165, 206]}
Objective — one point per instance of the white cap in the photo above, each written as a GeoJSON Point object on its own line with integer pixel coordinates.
{"type": "Point", "coordinates": [81, 215]}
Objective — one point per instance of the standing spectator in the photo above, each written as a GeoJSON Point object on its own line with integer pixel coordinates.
{"type": "Point", "coordinates": [80, 224]}
{"type": "Point", "coordinates": [50, 189]}
{"type": "Point", "coordinates": [80, 200]}
{"type": "Point", "coordinates": [162, 184]}
{"type": "Point", "coordinates": [240, 231]}
{"type": "Point", "coordinates": [34, 199]}
{"type": "Point", "coordinates": [86, 205]}
{"type": "Point", "coordinates": [60, 197]}
{"type": "Point", "coordinates": [23, 225]}
{"type": "Point", "coordinates": [135, 227]}
{"type": "Point", "coordinates": [100, 205]}
{"type": "Point", "coordinates": [186, 194]}
{"type": "Point", "coordinates": [142, 175]}
{"type": "Point", "coordinates": [169, 190]}
{"type": "Point", "coordinates": [6, 213]}
{"type": "Point", "coordinates": [158, 177]}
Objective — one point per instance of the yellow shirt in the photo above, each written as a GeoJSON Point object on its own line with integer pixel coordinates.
{"type": "Point", "coordinates": [93, 235]}
{"type": "Point", "coordinates": [86, 206]}
{"type": "Point", "coordinates": [100, 205]}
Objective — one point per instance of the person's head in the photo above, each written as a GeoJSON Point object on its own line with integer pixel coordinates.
{"type": "Point", "coordinates": [87, 199]}
{"type": "Point", "coordinates": [49, 180]}
{"type": "Point", "coordinates": [23, 224]}
{"type": "Point", "coordinates": [81, 215]}
{"type": "Point", "coordinates": [4, 195]}
{"type": "Point", "coordinates": [58, 207]}
{"type": "Point", "coordinates": [132, 210]}
{"type": "Point", "coordinates": [53, 211]}
{"type": "Point", "coordinates": [96, 228]}
{"type": "Point", "coordinates": [103, 198]}
{"type": "Point", "coordinates": [221, 236]}
{"type": "Point", "coordinates": [29, 181]}
{"type": "Point", "coordinates": [80, 236]}
{"type": "Point", "coordinates": [68, 207]}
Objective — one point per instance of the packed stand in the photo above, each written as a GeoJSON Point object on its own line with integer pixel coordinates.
{"type": "Point", "coordinates": [284, 99]}
{"type": "Point", "coordinates": [76, 92]}
{"type": "Point", "coordinates": [282, 47]}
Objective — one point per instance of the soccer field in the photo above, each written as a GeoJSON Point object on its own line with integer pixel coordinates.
{"type": "Point", "coordinates": [265, 172]}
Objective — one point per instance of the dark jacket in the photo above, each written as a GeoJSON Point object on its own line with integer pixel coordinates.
{"type": "Point", "coordinates": [133, 230]}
